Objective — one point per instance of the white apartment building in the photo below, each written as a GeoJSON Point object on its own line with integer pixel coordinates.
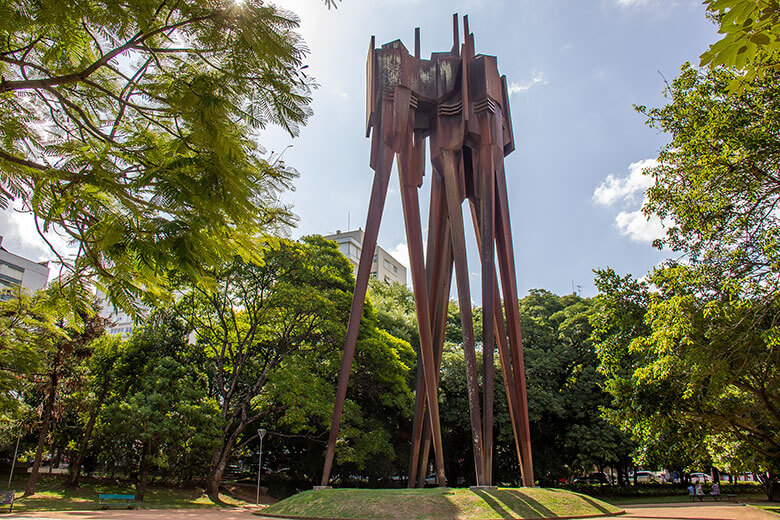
{"type": "Point", "coordinates": [17, 271]}
{"type": "Point", "coordinates": [384, 267]}
{"type": "Point", "coordinates": [121, 323]}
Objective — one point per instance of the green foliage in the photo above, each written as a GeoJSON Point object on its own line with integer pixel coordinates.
{"type": "Point", "coordinates": [568, 432]}
{"type": "Point", "coordinates": [395, 308]}
{"type": "Point", "coordinates": [131, 129]}
{"type": "Point", "coordinates": [163, 406]}
{"type": "Point", "coordinates": [751, 37]}
{"type": "Point", "coordinates": [716, 185]}
{"type": "Point", "coordinates": [270, 341]}
{"type": "Point", "coordinates": [692, 363]}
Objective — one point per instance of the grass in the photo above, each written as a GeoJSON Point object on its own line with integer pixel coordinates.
{"type": "Point", "coordinates": [772, 508]}
{"type": "Point", "coordinates": [439, 504]}
{"type": "Point", "coordinates": [52, 495]}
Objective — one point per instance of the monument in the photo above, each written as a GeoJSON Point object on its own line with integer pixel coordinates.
{"type": "Point", "coordinates": [459, 103]}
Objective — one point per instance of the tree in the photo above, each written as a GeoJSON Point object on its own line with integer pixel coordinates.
{"type": "Point", "coordinates": [45, 337]}
{"type": "Point", "coordinates": [569, 434]}
{"type": "Point", "coordinates": [619, 318]}
{"type": "Point", "coordinates": [130, 129]}
{"type": "Point", "coordinates": [256, 329]}
{"type": "Point", "coordinates": [163, 410]}
{"type": "Point", "coordinates": [751, 37]}
{"type": "Point", "coordinates": [706, 353]}
{"type": "Point", "coordinates": [102, 378]}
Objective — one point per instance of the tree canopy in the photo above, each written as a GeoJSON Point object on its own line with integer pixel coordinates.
{"type": "Point", "coordinates": [751, 37]}
{"type": "Point", "coordinates": [131, 130]}
{"type": "Point", "coordinates": [691, 354]}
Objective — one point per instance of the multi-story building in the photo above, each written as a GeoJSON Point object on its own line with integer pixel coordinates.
{"type": "Point", "coordinates": [17, 271]}
{"type": "Point", "coordinates": [384, 267]}
{"type": "Point", "coordinates": [121, 323]}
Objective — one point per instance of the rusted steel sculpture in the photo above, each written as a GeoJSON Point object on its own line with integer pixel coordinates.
{"type": "Point", "coordinates": [458, 101]}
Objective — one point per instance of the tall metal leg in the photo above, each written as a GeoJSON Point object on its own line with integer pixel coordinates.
{"type": "Point", "coordinates": [440, 324]}
{"type": "Point", "coordinates": [505, 357]}
{"type": "Point", "coordinates": [375, 208]}
{"type": "Point", "coordinates": [408, 180]}
{"type": "Point", "coordinates": [506, 264]}
{"type": "Point", "coordinates": [449, 170]}
{"type": "Point", "coordinates": [487, 219]}
{"type": "Point", "coordinates": [434, 258]}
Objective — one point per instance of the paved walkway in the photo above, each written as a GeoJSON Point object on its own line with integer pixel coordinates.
{"type": "Point", "coordinates": [712, 511]}
{"type": "Point", "coordinates": [141, 514]}
{"type": "Point", "coordinates": [697, 511]}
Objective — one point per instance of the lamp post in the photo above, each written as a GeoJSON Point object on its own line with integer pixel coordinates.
{"type": "Point", "coordinates": [13, 462]}
{"type": "Point", "coordinates": [260, 433]}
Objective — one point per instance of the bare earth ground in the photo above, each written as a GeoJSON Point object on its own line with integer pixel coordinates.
{"type": "Point", "coordinates": [713, 511]}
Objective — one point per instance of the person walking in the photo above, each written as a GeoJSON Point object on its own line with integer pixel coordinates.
{"type": "Point", "coordinates": [692, 492]}
{"type": "Point", "coordinates": [699, 492]}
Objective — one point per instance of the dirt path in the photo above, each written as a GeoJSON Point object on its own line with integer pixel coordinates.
{"type": "Point", "coordinates": [135, 514]}
{"type": "Point", "coordinates": [697, 511]}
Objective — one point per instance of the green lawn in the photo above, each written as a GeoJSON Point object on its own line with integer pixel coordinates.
{"type": "Point", "coordinates": [772, 508]}
{"type": "Point", "coordinates": [439, 503]}
{"type": "Point", "coordinates": [51, 495]}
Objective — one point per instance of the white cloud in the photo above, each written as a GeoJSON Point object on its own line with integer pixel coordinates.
{"type": "Point", "coordinates": [401, 253]}
{"type": "Point", "coordinates": [537, 78]}
{"type": "Point", "coordinates": [629, 193]}
{"type": "Point", "coordinates": [21, 237]}
{"type": "Point", "coordinates": [631, 3]}
{"type": "Point", "coordinates": [625, 189]}
{"type": "Point", "coordinates": [636, 226]}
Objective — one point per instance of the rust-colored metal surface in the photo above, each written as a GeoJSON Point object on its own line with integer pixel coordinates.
{"type": "Point", "coordinates": [459, 103]}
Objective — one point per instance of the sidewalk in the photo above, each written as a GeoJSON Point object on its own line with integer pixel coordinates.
{"type": "Point", "coordinates": [697, 511]}
{"type": "Point", "coordinates": [141, 514]}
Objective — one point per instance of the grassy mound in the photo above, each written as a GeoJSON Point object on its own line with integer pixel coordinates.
{"type": "Point", "coordinates": [439, 504]}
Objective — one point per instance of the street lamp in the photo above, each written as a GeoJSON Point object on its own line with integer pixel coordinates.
{"type": "Point", "coordinates": [260, 433]}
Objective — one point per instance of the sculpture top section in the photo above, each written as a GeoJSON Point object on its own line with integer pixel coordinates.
{"type": "Point", "coordinates": [441, 86]}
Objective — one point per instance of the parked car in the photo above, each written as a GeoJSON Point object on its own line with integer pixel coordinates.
{"type": "Point", "coordinates": [702, 477]}
{"type": "Point", "coordinates": [643, 476]}
{"type": "Point", "coordinates": [430, 480]}
{"type": "Point", "coordinates": [594, 478]}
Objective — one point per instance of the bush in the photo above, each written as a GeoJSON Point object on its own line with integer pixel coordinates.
{"type": "Point", "coordinates": [658, 489]}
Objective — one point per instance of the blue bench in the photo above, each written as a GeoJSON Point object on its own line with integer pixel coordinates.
{"type": "Point", "coordinates": [106, 500]}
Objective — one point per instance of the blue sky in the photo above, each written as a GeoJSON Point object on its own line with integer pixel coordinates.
{"type": "Point", "coordinates": [575, 68]}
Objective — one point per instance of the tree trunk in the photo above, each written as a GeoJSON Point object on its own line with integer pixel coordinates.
{"type": "Point", "coordinates": [771, 482]}
{"type": "Point", "coordinates": [46, 419]}
{"type": "Point", "coordinates": [143, 473]}
{"type": "Point", "coordinates": [219, 463]}
{"type": "Point", "coordinates": [715, 474]}
{"type": "Point", "coordinates": [75, 467]}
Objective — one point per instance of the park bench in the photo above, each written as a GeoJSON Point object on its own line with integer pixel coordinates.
{"type": "Point", "coordinates": [7, 498]}
{"type": "Point", "coordinates": [107, 499]}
